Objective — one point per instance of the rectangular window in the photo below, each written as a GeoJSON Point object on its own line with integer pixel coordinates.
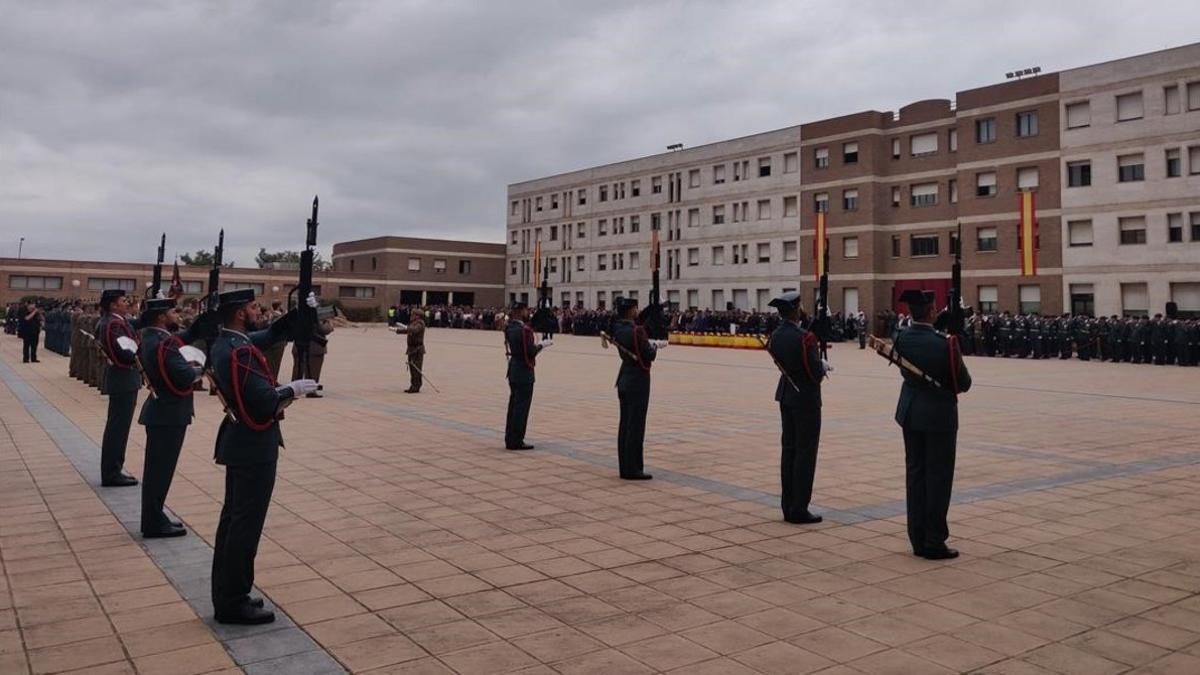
{"type": "Point", "coordinates": [1194, 160]}
{"type": "Point", "coordinates": [193, 287]}
{"type": "Point", "coordinates": [1171, 100]}
{"type": "Point", "coordinates": [923, 245]}
{"type": "Point", "coordinates": [1186, 296]}
{"type": "Point", "coordinates": [414, 264]}
{"type": "Point", "coordinates": [580, 263]}
{"type": "Point", "coordinates": [602, 227]}
{"type": "Point", "coordinates": [895, 246]}
{"type": "Point", "coordinates": [952, 135]}
{"type": "Point", "coordinates": [693, 217]}
{"type": "Point", "coordinates": [635, 224]}
{"type": "Point", "coordinates": [538, 202]}
{"type": "Point", "coordinates": [1133, 229]}
{"type": "Point", "coordinates": [464, 267]}
{"type": "Point", "coordinates": [985, 130]}
{"type": "Point", "coordinates": [985, 184]}
{"type": "Point", "coordinates": [923, 194]}
{"type": "Point", "coordinates": [986, 239]}
{"type": "Point", "coordinates": [1131, 168]}
{"type": "Point", "coordinates": [553, 233]}
{"type": "Point", "coordinates": [554, 201]}
{"type": "Point", "coordinates": [895, 195]}
{"type": "Point", "coordinates": [513, 268]}
{"type": "Point", "coordinates": [764, 167]}
{"type": "Point", "coordinates": [850, 153]}
{"type": "Point", "coordinates": [1027, 124]}
{"type": "Point", "coordinates": [849, 247]}
{"type": "Point", "coordinates": [582, 196]}
{"type": "Point", "coordinates": [821, 158]}
{"type": "Point", "coordinates": [1027, 179]}
{"type": "Point", "coordinates": [239, 285]}
{"type": "Point", "coordinates": [1135, 300]}
{"type": "Point", "coordinates": [989, 299]}
{"type": "Point", "coordinates": [1174, 228]}
{"type": "Point", "coordinates": [790, 251]}
{"type": "Point", "coordinates": [635, 260]}
{"type": "Point", "coordinates": [789, 207]}
{"type": "Point", "coordinates": [1079, 233]}
{"type": "Point", "coordinates": [693, 257]}
{"type": "Point", "coordinates": [1030, 298]}
{"type": "Point", "coordinates": [1129, 107]}
{"type": "Point", "coordinates": [439, 266]}
{"type": "Point", "coordinates": [821, 202]}
{"type": "Point", "coordinates": [602, 262]}
{"type": "Point", "coordinates": [1193, 92]}
{"type": "Point", "coordinates": [764, 209]}
{"type": "Point", "coordinates": [850, 200]}
{"type": "Point", "coordinates": [1079, 115]}
{"type": "Point", "coordinates": [953, 184]}
{"type": "Point", "coordinates": [582, 231]}
{"type": "Point", "coordinates": [603, 193]}
{"type": "Point", "coordinates": [357, 292]}
{"type": "Point", "coordinates": [718, 214]}
{"type": "Point", "coordinates": [718, 255]}
{"type": "Point", "coordinates": [35, 283]}
{"type": "Point", "coordinates": [656, 185]}
{"type": "Point", "coordinates": [791, 163]}
{"type": "Point", "coordinates": [1079, 174]}
{"type": "Point", "coordinates": [1174, 165]}
{"type": "Point", "coordinates": [718, 174]}
{"type": "Point", "coordinates": [895, 148]}
{"type": "Point", "coordinates": [515, 209]}
{"type": "Point", "coordinates": [923, 144]}
{"type": "Point", "coordinates": [1194, 217]}
{"type": "Point", "coordinates": [694, 178]}
{"type": "Point", "coordinates": [764, 253]}
{"type": "Point", "coordinates": [98, 284]}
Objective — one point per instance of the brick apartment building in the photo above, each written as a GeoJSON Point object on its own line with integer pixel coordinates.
{"type": "Point", "coordinates": [368, 273]}
{"type": "Point", "coordinates": [737, 217]}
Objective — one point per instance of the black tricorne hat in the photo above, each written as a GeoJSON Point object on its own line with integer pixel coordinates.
{"type": "Point", "coordinates": [240, 296]}
{"type": "Point", "coordinates": [915, 298]}
{"type": "Point", "coordinates": [110, 294]}
{"type": "Point", "coordinates": [789, 300]}
{"type": "Point", "coordinates": [623, 304]}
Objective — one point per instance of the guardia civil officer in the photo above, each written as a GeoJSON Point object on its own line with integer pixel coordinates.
{"type": "Point", "coordinates": [637, 353]}
{"type": "Point", "coordinates": [121, 382]}
{"type": "Point", "coordinates": [415, 351]}
{"type": "Point", "coordinates": [168, 410]}
{"type": "Point", "coordinates": [798, 356]}
{"type": "Point", "coordinates": [928, 414]}
{"type": "Point", "coordinates": [248, 446]}
{"type": "Point", "coordinates": [522, 351]}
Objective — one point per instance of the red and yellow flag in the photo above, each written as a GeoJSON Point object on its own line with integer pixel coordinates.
{"type": "Point", "coordinates": [537, 263]}
{"type": "Point", "coordinates": [1028, 235]}
{"type": "Point", "coordinates": [820, 241]}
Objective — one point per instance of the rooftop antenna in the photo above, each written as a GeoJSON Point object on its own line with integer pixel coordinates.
{"type": "Point", "coordinates": [1022, 72]}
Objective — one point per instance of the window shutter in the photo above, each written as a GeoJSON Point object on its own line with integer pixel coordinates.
{"type": "Point", "coordinates": [1129, 106]}
{"type": "Point", "coordinates": [1187, 296]}
{"type": "Point", "coordinates": [986, 179]}
{"type": "Point", "coordinates": [1135, 297]}
{"type": "Point", "coordinates": [1079, 232]}
{"type": "Point", "coordinates": [1027, 178]}
{"type": "Point", "coordinates": [924, 144]}
{"type": "Point", "coordinates": [1079, 115]}
{"type": "Point", "coordinates": [924, 189]}
{"type": "Point", "coordinates": [989, 294]}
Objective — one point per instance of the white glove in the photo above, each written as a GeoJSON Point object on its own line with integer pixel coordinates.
{"type": "Point", "coordinates": [660, 344]}
{"type": "Point", "coordinates": [311, 300]}
{"type": "Point", "coordinates": [546, 343]}
{"type": "Point", "coordinates": [301, 387]}
{"type": "Point", "coordinates": [160, 295]}
{"type": "Point", "coordinates": [826, 366]}
{"type": "Point", "coordinates": [401, 326]}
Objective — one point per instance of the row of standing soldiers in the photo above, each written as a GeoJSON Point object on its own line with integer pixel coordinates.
{"type": "Point", "coordinates": [1157, 340]}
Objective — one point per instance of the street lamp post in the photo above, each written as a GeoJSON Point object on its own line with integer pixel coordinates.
{"type": "Point", "coordinates": [20, 245]}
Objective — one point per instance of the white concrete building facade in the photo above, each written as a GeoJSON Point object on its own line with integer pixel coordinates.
{"type": "Point", "coordinates": [1131, 184]}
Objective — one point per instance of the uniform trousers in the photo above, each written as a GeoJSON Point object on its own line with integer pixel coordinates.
{"type": "Point", "coordinates": [29, 348]}
{"type": "Point", "coordinates": [248, 491]}
{"type": "Point", "coordinates": [315, 362]}
{"type": "Point", "coordinates": [163, 444]}
{"type": "Point", "coordinates": [631, 432]}
{"type": "Point", "coordinates": [121, 407]}
{"type": "Point", "coordinates": [929, 476]}
{"type": "Point", "coordinates": [798, 463]}
{"type": "Point", "coordinates": [416, 365]}
{"type": "Point", "coordinates": [520, 398]}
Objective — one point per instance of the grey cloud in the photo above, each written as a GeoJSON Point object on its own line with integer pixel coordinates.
{"type": "Point", "coordinates": [122, 119]}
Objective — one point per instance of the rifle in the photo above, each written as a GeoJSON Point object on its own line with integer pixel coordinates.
{"type": "Point", "coordinates": [214, 275]}
{"type": "Point", "coordinates": [820, 325]}
{"type": "Point", "coordinates": [156, 282]}
{"type": "Point", "coordinates": [653, 317]}
{"type": "Point", "coordinates": [307, 319]}
{"type": "Point", "coordinates": [951, 320]}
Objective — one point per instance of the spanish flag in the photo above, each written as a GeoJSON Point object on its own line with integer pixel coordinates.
{"type": "Point", "coordinates": [1028, 235]}
{"type": "Point", "coordinates": [537, 264]}
{"type": "Point", "coordinates": [820, 241]}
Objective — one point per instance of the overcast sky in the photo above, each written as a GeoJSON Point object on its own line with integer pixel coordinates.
{"type": "Point", "coordinates": [119, 120]}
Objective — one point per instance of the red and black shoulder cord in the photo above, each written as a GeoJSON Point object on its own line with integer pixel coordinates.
{"type": "Point", "coordinates": [108, 342]}
{"type": "Point", "coordinates": [238, 376]}
{"type": "Point", "coordinates": [810, 342]}
{"type": "Point", "coordinates": [638, 333]}
{"type": "Point", "coordinates": [172, 342]}
{"type": "Point", "coordinates": [526, 338]}
{"type": "Point", "coordinates": [952, 348]}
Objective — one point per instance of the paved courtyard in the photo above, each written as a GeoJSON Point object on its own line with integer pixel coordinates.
{"type": "Point", "coordinates": [404, 539]}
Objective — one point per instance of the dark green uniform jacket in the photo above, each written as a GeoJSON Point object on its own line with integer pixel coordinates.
{"type": "Point", "coordinates": [120, 375]}
{"type": "Point", "coordinates": [255, 399]}
{"type": "Point", "coordinates": [522, 352]}
{"type": "Point", "coordinates": [922, 406]}
{"type": "Point", "coordinates": [170, 379]}
{"type": "Point", "coordinates": [798, 352]}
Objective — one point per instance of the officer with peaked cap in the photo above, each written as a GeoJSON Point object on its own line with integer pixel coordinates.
{"type": "Point", "coordinates": [168, 410]}
{"type": "Point", "coordinates": [928, 414]}
{"type": "Point", "coordinates": [248, 446]}
{"type": "Point", "coordinates": [121, 382]}
{"type": "Point", "coordinates": [637, 353]}
{"type": "Point", "coordinates": [797, 354]}
{"type": "Point", "coordinates": [522, 351]}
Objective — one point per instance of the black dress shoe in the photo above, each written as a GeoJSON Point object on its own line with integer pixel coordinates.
{"type": "Point", "coordinates": [35, 361]}
{"type": "Point", "coordinates": [313, 394]}
{"type": "Point", "coordinates": [942, 553]}
{"type": "Point", "coordinates": [246, 615]}
{"type": "Point", "coordinates": [118, 480]}
{"type": "Point", "coordinates": [803, 518]}
{"type": "Point", "coordinates": [254, 601]}
{"type": "Point", "coordinates": [522, 446]}
{"type": "Point", "coordinates": [642, 475]}
{"type": "Point", "coordinates": [164, 533]}
{"type": "Point", "coordinates": [410, 390]}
